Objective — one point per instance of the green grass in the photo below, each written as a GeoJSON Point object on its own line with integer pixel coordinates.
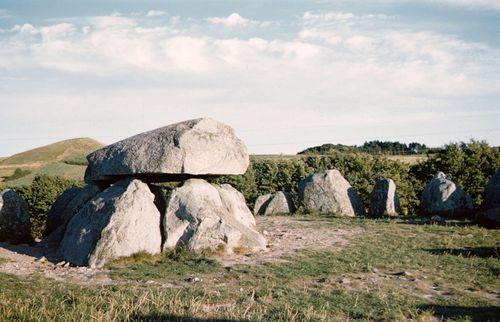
{"type": "Point", "coordinates": [461, 263]}
{"type": "Point", "coordinates": [177, 263]}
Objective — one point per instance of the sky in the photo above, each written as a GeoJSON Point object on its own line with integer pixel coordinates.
{"type": "Point", "coordinates": [285, 74]}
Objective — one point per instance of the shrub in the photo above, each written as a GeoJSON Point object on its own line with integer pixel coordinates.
{"type": "Point", "coordinates": [470, 165]}
{"type": "Point", "coordinates": [40, 195]}
{"type": "Point", "coordinates": [18, 173]}
{"type": "Point", "coordinates": [77, 161]}
{"type": "Point", "coordinates": [361, 170]}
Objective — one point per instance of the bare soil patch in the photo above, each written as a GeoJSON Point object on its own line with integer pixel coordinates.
{"type": "Point", "coordinates": [288, 236]}
{"type": "Point", "coordinates": [24, 260]}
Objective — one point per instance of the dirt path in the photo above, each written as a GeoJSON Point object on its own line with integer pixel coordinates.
{"type": "Point", "coordinates": [288, 236]}
{"type": "Point", "coordinates": [285, 235]}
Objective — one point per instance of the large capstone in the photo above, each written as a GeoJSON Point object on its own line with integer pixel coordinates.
{"type": "Point", "coordinates": [14, 218]}
{"type": "Point", "coordinates": [120, 221]}
{"type": "Point", "coordinates": [200, 147]}
{"type": "Point", "coordinates": [384, 200]}
{"type": "Point", "coordinates": [442, 196]}
{"type": "Point", "coordinates": [201, 216]}
{"type": "Point", "coordinates": [489, 215]}
{"type": "Point", "coordinates": [329, 192]}
{"type": "Point", "coordinates": [66, 206]}
{"type": "Point", "coordinates": [274, 204]}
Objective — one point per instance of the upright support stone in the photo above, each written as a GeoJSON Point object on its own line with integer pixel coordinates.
{"type": "Point", "coordinates": [120, 221]}
{"type": "Point", "coordinates": [203, 216]}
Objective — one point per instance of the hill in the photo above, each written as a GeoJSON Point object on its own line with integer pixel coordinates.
{"type": "Point", "coordinates": [64, 158]}
{"type": "Point", "coordinates": [55, 152]}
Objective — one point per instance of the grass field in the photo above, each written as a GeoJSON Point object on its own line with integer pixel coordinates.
{"type": "Point", "coordinates": [393, 270]}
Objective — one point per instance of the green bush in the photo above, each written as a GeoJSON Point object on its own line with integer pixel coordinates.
{"type": "Point", "coordinates": [361, 170]}
{"type": "Point", "coordinates": [77, 161]}
{"type": "Point", "coordinates": [470, 165]}
{"type": "Point", "coordinates": [18, 173]}
{"type": "Point", "coordinates": [40, 195]}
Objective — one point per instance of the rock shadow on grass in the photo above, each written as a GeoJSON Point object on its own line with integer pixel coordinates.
{"type": "Point", "coordinates": [445, 312]}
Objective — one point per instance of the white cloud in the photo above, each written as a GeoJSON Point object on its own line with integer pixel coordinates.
{"type": "Point", "coordinates": [155, 13]}
{"type": "Point", "coordinates": [472, 4]}
{"type": "Point", "coordinates": [467, 4]}
{"type": "Point", "coordinates": [235, 19]}
{"type": "Point", "coordinates": [347, 71]}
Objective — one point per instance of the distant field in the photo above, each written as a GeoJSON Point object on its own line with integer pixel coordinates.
{"type": "Point", "coordinates": [276, 156]}
{"type": "Point", "coordinates": [410, 159]}
{"type": "Point", "coordinates": [54, 169]}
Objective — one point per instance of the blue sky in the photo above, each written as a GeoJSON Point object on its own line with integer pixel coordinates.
{"type": "Point", "coordinates": [285, 74]}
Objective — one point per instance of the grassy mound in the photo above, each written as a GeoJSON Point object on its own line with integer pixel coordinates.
{"type": "Point", "coordinates": [59, 151]}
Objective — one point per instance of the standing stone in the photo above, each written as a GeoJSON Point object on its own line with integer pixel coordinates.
{"type": "Point", "coordinates": [384, 200]}
{"type": "Point", "coordinates": [491, 193]}
{"type": "Point", "coordinates": [203, 216]}
{"type": "Point", "coordinates": [443, 197]}
{"type": "Point", "coordinates": [67, 205]}
{"type": "Point", "coordinates": [197, 147]}
{"type": "Point", "coordinates": [261, 204]}
{"type": "Point", "coordinates": [489, 215]}
{"type": "Point", "coordinates": [329, 192]}
{"type": "Point", "coordinates": [120, 221]}
{"type": "Point", "coordinates": [274, 204]}
{"type": "Point", "coordinates": [14, 218]}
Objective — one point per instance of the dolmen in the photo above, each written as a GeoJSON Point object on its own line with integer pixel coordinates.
{"type": "Point", "coordinates": [443, 197]}
{"type": "Point", "coordinates": [14, 218]}
{"type": "Point", "coordinates": [489, 214]}
{"type": "Point", "coordinates": [329, 192]}
{"type": "Point", "coordinates": [384, 199]}
{"type": "Point", "coordinates": [121, 211]}
{"type": "Point", "coordinates": [274, 204]}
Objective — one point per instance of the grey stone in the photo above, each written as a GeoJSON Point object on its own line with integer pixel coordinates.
{"type": "Point", "coordinates": [261, 204]}
{"type": "Point", "coordinates": [120, 221]}
{"type": "Point", "coordinates": [67, 205]}
{"type": "Point", "coordinates": [200, 147]}
{"type": "Point", "coordinates": [443, 197]}
{"type": "Point", "coordinates": [274, 204]}
{"type": "Point", "coordinates": [203, 216]}
{"type": "Point", "coordinates": [329, 192]}
{"type": "Point", "coordinates": [14, 218]}
{"type": "Point", "coordinates": [489, 215]}
{"type": "Point", "coordinates": [384, 199]}
{"type": "Point", "coordinates": [491, 193]}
